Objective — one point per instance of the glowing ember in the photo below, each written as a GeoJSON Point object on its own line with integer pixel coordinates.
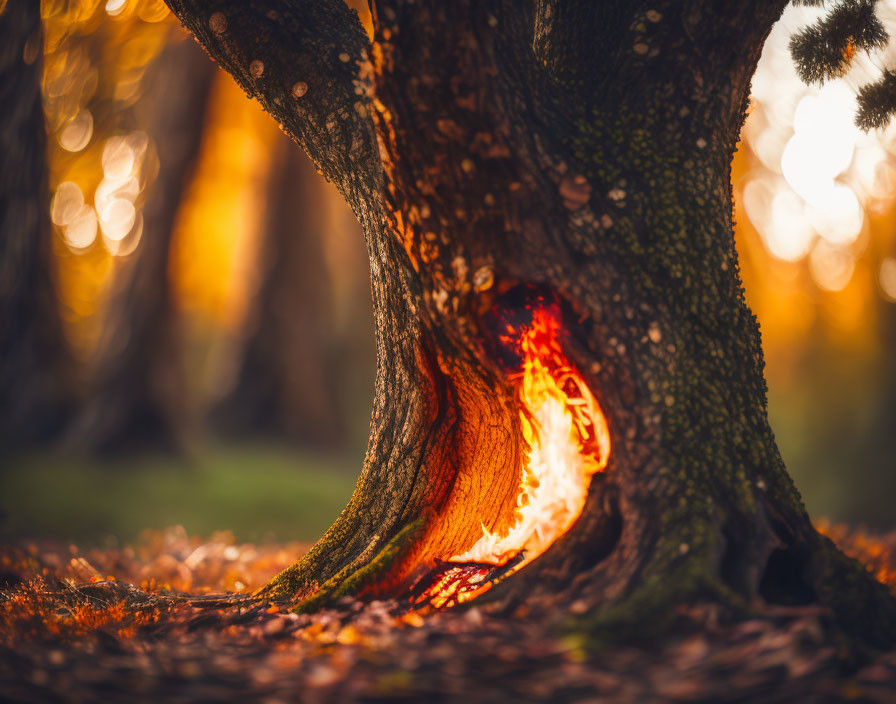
{"type": "Point", "coordinates": [568, 442]}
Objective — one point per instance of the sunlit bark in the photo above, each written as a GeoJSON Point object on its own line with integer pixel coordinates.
{"type": "Point", "coordinates": [583, 148]}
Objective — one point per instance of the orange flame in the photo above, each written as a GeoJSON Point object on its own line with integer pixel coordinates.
{"type": "Point", "coordinates": [568, 441]}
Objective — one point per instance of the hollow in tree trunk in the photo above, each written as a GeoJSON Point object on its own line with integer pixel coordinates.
{"type": "Point", "coordinates": [136, 395]}
{"type": "Point", "coordinates": [546, 185]}
{"type": "Point", "coordinates": [35, 362]}
{"type": "Point", "coordinates": [285, 384]}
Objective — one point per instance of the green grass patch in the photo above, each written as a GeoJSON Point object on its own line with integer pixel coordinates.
{"type": "Point", "coordinates": [255, 491]}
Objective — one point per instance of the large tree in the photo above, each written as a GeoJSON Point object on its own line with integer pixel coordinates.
{"type": "Point", "coordinates": [509, 160]}
{"type": "Point", "coordinates": [36, 390]}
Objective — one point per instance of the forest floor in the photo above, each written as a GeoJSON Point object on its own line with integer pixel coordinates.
{"type": "Point", "coordinates": [168, 619]}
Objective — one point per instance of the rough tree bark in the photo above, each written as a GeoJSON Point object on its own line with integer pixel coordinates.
{"type": "Point", "coordinates": [136, 390]}
{"type": "Point", "coordinates": [35, 363]}
{"type": "Point", "coordinates": [285, 382]}
{"type": "Point", "coordinates": [585, 148]}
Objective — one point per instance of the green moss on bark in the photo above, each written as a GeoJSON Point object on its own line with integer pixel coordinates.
{"type": "Point", "coordinates": [362, 573]}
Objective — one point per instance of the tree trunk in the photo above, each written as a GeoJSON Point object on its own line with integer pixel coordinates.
{"type": "Point", "coordinates": [136, 397]}
{"type": "Point", "coordinates": [285, 384]}
{"type": "Point", "coordinates": [501, 155]}
{"type": "Point", "coordinates": [35, 364]}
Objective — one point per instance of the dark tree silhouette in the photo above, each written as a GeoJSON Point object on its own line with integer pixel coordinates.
{"type": "Point", "coordinates": [580, 150]}
{"type": "Point", "coordinates": [136, 389]}
{"type": "Point", "coordinates": [285, 384]}
{"type": "Point", "coordinates": [35, 363]}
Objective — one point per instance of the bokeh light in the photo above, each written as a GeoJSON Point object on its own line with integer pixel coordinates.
{"type": "Point", "coordinates": [818, 174]}
{"type": "Point", "coordinates": [816, 235]}
{"type": "Point", "coordinates": [888, 278]}
{"type": "Point", "coordinates": [96, 54]}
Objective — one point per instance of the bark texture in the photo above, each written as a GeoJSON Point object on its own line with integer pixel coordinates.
{"type": "Point", "coordinates": [35, 363]}
{"type": "Point", "coordinates": [583, 148]}
{"type": "Point", "coordinates": [136, 389]}
{"type": "Point", "coordinates": [285, 385]}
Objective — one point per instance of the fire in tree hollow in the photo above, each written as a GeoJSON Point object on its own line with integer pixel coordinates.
{"type": "Point", "coordinates": [568, 442]}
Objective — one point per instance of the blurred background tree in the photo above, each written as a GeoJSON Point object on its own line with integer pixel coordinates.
{"type": "Point", "coordinates": [285, 385]}
{"type": "Point", "coordinates": [135, 397]}
{"type": "Point", "coordinates": [215, 292]}
{"type": "Point", "coordinates": [35, 369]}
